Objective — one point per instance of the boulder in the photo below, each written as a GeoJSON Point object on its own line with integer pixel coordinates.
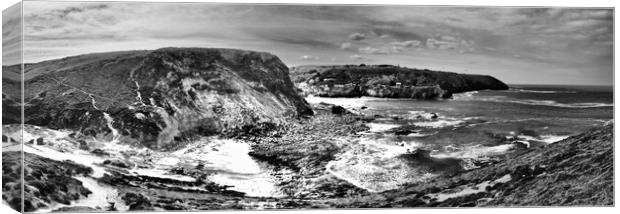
{"type": "Point", "coordinates": [137, 201]}
{"type": "Point", "coordinates": [40, 141]}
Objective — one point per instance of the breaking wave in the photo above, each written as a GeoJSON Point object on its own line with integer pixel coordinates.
{"type": "Point", "coordinates": [504, 99]}
{"type": "Point", "coordinates": [519, 90]}
{"type": "Point", "coordinates": [474, 152]}
{"type": "Point", "coordinates": [375, 166]}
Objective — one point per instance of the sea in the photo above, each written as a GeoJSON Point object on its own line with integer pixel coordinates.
{"type": "Point", "coordinates": [471, 126]}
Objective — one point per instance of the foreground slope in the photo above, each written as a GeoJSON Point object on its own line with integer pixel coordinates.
{"type": "Point", "coordinates": [387, 81]}
{"type": "Point", "coordinates": [577, 171]}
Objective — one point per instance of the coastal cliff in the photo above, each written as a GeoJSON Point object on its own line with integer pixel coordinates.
{"type": "Point", "coordinates": [154, 98]}
{"type": "Point", "coordinates": [387, 81]}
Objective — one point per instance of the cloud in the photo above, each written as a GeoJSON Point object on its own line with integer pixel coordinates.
{"type": "Point", "coordinates": [345, 46]}
{"type": "Point", "coordinates": [371, 50]}
{"type": "Point", "coordinates": [357, 57]}
{"type": "Point", "coordinates": [309, 58]}
{"type": "Point", "coordinates": [357, 36]}
{"type": "Point", "coordinates": [407, 44]}
{"type": "Point", "coordinates": [447, 43]}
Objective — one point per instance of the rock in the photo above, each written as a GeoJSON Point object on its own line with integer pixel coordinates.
{"type": "Point", "coordinates": [119, 163]}
{"type": "Point", "coordinates": [83, 145]}
{"type": "Point", "coordinates": [521, 172]}
{"type": "Point", "coordinates": [336, 109]}
{"type": "Point", "coordinates": [137, 201]}
{"type": "Point", "coordinates": [100, 152]}
{"type": "Point", "coordinates": [40, 141]}
{"type": "Point", "coordinates": [5, 138]}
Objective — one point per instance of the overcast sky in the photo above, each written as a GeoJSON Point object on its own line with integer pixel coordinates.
{"type": "Point", "coordinates": [516, 45]}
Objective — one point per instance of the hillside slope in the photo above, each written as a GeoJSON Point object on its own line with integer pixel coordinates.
{"type": "Point", "coordinates": [160, 96]}
{"type": "Point", "coordinates": [577, 171]}
{"type": "Point", "coordinates": [387, 81]}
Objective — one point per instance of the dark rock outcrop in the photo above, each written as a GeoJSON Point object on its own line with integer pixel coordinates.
{"type": "Point", "coordinates": [158, 97]}
{"type": "Point", "coordinates": [387, 81]}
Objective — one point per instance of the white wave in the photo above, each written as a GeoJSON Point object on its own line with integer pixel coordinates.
{"type": "Point", "coordinates": [474, 152]}
{"type": "Point", "coordinates": [563, 105]}
{"type": "Point", "coordinates": [375, 166]}
{"type": "Point", "coordinates": [344, 102]}
{"type": "Point", "coordinates": [517, 90]}
{"type": "Point", "coordinates": [439, 123]}
{"type": "Point", "coordinates": [464, 95]}
{"type": "Point", "coordinates": [504, 99]}
{"type": "Point", "coordinates": [417, 115]}
{"type": "Point", "coordinates": [544, 138]}
{"type": "Point", "coordinates": [380, 127]}
{"type": "Point", "coordinates": [421, 134]}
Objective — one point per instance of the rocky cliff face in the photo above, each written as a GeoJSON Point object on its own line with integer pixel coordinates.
{"type": "Point", "coordinates": [387, 81]}
{"type": "Point", "coordinates": [155, 98]}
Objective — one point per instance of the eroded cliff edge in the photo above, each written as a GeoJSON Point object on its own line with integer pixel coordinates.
{"type": "Point", "coordinates": [387, 81]}
{"type": "Point", "coordinates": [158, 97]}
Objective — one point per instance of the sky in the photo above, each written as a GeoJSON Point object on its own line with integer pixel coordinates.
{"type": "Point", "coordinates": [516, 45]}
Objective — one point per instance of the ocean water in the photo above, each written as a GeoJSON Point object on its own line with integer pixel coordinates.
{"type": "Point", "coordinates": [528, 112]}
{"type": "Point", "coordinates": [471, 126]}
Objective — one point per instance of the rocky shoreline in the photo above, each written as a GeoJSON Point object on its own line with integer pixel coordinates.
{"type": "Point", "coordinates": [300, 151]}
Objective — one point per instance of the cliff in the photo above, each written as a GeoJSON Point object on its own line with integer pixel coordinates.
{"type": "Point", "coordinates": [157, 97]}
{"type": "Point", "coordinates": [387, 81]}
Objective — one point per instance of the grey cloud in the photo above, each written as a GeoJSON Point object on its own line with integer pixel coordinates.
{"type": "Point", "coordinates": [357, 57]}
{"type": "Point", "coordinates": [371, 50]}
{"type": "Point", "coordinates": [345, 46]}
{"type": "Point", "coordinates": [309, 57]}
{"type": "Point", "coordinates": [357, 36]}
{"type": "Point", "coordinates": [441, 44]}
{"type": "Point", "coordinates": [407, 44]}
